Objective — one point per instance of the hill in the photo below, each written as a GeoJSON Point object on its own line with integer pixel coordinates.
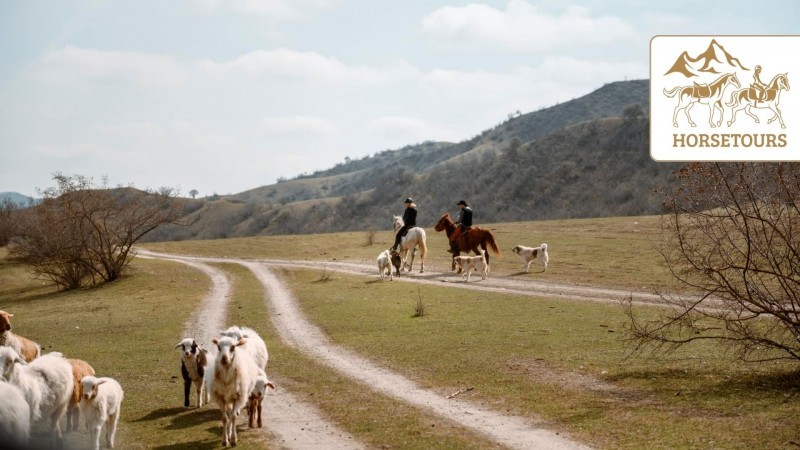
{"type": "Point", "coordinates": [16, 198]}
{"type": "Point", "coordinates": [581, 158]}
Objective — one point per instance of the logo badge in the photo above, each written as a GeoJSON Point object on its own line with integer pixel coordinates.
{"type": "Point", "coordinates": [724, 98]}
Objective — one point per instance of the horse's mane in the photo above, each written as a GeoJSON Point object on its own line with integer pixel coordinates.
{"type": "Point", "coordinates": [774, 82]}
{"type": "Point", "coordinates": [721, 77]}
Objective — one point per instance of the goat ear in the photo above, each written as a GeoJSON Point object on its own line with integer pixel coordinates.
{"type": "Point", "coordinates": [214, 341]}
{"type": "Point", "coordinates": [194, 343]}
{"type": "Point", "coordinates": [99, 382]}
{"type": "Point", "coordinates": [270, 385]}
{"type": "Point", "coordinates": [19, 360]}
{"type": "Point", "coordinates": [180, 344]}
{"type": "Point", "coordinates": [242, 341]}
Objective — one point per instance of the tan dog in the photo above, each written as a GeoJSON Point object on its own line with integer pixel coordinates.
{"type": "Point", "coordinates": [466, 264]}
{"type": "Point", "coordinates": [531, 254]}
{"type": "Point", "coordinates": [388, 259]}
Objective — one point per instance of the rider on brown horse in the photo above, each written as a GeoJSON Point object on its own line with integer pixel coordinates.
{"type": "Point", "coordinates": [464, 224]}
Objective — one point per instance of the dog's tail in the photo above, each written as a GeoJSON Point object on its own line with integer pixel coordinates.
{"type": "Point", "coordinates": [544, 246]}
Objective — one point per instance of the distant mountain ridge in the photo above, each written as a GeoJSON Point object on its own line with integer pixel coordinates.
{"type": "Point", "coordinates": [715, 59]}
{"type": "Point", "coordinates": [16, 198]}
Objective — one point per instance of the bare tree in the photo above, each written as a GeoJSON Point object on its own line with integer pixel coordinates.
{"type": "Point", "coordinates": [732, 239]}
{"type": "Point", "coordinates": [82, 233]}
{"type": "Point", "coordinates": [7, 223]}
{"type": "Point", "coordinates": [193, 193]}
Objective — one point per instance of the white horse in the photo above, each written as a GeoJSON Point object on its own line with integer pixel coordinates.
{"type": "Point", "coordinates": [415, 237]}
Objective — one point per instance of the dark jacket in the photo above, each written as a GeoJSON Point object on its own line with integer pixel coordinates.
{"type": "Point", "coordinates": [410, 216]}
{"type": "Point", "coordinates": [465, 219]}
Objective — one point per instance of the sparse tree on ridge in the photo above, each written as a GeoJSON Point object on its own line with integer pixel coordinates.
{"type": "Point", "coordinates": [193, 193]}
{"type": "Point", "coordinates": [84, 234]}
{"type": "Point", "coordinates": [732, 240]}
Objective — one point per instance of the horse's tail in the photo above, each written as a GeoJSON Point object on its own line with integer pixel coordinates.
{"type": "Point", "coordinates": [671, 93]}
{"type": "Point", "coordinates": [734, 99]}
{"type": "Point", "coordinates": [492, 242]}
{"type": "Point", "coordinates": [423, 245]}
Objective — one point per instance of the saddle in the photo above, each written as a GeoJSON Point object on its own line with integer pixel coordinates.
{"type": "Point", "coordinates": [701, 90]}
{"type": "Point", "coordinates": [762, 95]}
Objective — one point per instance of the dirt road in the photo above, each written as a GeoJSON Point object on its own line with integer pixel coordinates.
{"type": "Point", "coordinates": [295, 329]}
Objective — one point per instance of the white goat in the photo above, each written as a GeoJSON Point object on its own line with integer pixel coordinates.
{"type": "Point", "coordinates": [15, 417]}
{"type": "Point", "coordinates": [235, 375]}
{"type": "Point", "coordinates": [193, 367]}
{"type": "Point", "coordinates": [46, 384]}
{"type": "Point", "coordinates": [100, 403]}
{"type": "Point", "coordinates": [255, 345]}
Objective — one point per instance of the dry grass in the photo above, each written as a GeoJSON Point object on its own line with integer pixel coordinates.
{"type": "Point", "coordinates": [562, 361]}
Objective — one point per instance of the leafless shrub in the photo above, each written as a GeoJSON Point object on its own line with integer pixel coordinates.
{"type": "Point", "coordinates": [84, 234]}
{"type": "Point", "coordinates": [731, 237]}
{"type": "Point", "coordinates": [419, 308]}
{"type": "Point", "coordinates": [370, 238]}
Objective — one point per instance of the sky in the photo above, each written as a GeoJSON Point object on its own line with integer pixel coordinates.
{"type": "Point", "coordinates": [222, 96]}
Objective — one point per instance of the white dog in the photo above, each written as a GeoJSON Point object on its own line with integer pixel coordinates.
{"type": "Point", "coordinates": [530, 254]}
{"type": "Point", "coordinates": [466, 264]}
{"type": "Point", "coordinates": [385, 264]}
{"type": "Point", "coordinates": [386, 260]}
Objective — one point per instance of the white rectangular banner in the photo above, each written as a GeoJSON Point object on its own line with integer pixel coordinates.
{"type": "Point", "coordinates": [724, 98]}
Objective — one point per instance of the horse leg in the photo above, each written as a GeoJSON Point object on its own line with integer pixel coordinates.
{"type": "Point", "coordinates": [750, 113]}
{"type": "Point", "coordinates": [686, 111]}
{"type": "Point", "coordinates": [712, 107]}
{"type": "Point", "coordinates": [675, 114]}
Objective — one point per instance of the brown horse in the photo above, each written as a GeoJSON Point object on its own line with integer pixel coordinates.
{"type": "Point", "coordinates": [476, 237]}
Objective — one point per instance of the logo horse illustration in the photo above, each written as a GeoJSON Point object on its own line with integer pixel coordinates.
{"type": "Point", "coordinates": [766, 98]}
{"type": "Point", "coordinates": [709, 94]}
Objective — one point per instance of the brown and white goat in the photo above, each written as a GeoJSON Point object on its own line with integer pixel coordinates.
{"type": "Point", "coordinates": [24, 347]}
{"type": "Point", "coordinates": [80, 369]}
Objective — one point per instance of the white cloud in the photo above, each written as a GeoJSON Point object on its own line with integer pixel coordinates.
{"type": "Point", "coordinates": [409, 128]}
{"type": "Point", "coordinates": [300, 125]}
{"type": "Point", "coordinates": [272, 9]}
{"type": "Point", "coordinates": [520, 27]}
{"type": "Point", "coordinates": [295, 65]}
{"type": "Point", "coordinates": [72, 65]}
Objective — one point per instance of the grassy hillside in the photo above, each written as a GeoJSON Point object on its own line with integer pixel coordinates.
{"type": "Point", "coordinates": [575, 159]}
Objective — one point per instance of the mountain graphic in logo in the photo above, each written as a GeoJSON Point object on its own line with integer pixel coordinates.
{"type": "Point", "coordinates": [715, 59]}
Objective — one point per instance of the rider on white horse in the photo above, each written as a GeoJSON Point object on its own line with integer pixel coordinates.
{"type": "Point", "coordinates": [409, 221]}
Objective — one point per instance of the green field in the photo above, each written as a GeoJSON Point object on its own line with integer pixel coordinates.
{"type": "Point", "coordinates": [560, 361]}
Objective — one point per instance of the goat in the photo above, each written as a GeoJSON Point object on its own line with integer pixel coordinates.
{"type": "Point", "coordinates": [46, 382]}
{"type": "Point", "coordinates": [100, 404]}
{"type": "Point", "coordinates": [235, 374]}
{"type": "Point", "coordinates": [193, 367]}
{"type": "Point", "coordinates": [80, 369]}
{"type": "Point", "coordinates": [15, 417]}
{"type": "Point", "coordinates": [24, 347]}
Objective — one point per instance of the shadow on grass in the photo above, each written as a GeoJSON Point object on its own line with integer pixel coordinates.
{"type": "Point", "coordinates": [181, 418]}
{"type": "Point", "coordinates": [161, 413]}
{"type": "Point", "coordinates": [194, 445]}
{"type": "Point", "coordinates": [779, 384]}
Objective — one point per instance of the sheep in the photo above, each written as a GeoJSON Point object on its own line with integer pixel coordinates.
{"type": "Point", "coordinates": [234, 379]}
{"type": "Point", "coordinates": [255, 345]}
{"type": "Point", "coordinates": [24, 347]}
{"type": "Point", "coordinates": [15, 417]}
{"type": "Point", "coordinates": [80, 369]}
{"type": "Point", "coordinates": [256, 397]}
{"type": "Point", "coordinates": [46, 382]}
{"type": "Point", "coordinates": [100, 403]}
{"type": "Point", "coordinates": [193, 368]}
